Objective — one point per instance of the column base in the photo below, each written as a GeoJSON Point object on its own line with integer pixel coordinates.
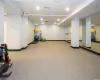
{"type": "Point", "coordinates": [86, 47]}
{"type": "Point", "coordinates": [75, 47]}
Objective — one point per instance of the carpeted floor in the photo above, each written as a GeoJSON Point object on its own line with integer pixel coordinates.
{"type": "Point", "coordinates": [94, 46]}
{"type": "Point", "coordinates": [54, 61]}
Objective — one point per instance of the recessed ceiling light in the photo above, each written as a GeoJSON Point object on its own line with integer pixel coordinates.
{"type": "Point", "coordinates": [51, 13]}
{"type": "Point", "coordinates": [55, 23]}
{"type": "Point", "coordinates": [41, 19]}
{"type": "Point", "coordinates": [58, 19]}
{"type": "Point", "coordinates": [46, 21]}
{"type": "Point", "coordinates": [46, 7]}
{"type": "Point", "coordinates": [42, 22]}
{"type": "Point", "coordinates": [37, 8]}
{"type": "Point", "coordinates": [67, 9]}
{"type": "Point", "coordinates": [5, 13]}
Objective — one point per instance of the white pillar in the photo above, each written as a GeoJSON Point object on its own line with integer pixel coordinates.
{"type": "Point", "coordinates": [1, 22]}
{"type": "Point", "coordinates": [75, 32]}
{"type": "Point", "coordinates": [17, 31]}
{"type": "Point", "coordinates": [86, 32]}
{"type": "Point", "coordinates": [24, 31]}
{"type": "Point", "coordinates": [13, 24]}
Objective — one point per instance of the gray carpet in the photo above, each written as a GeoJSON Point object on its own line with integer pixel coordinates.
{"type": "Point", "coordinates": [54, 61]}
{"type": "Point", "coordinates": [94, 46]}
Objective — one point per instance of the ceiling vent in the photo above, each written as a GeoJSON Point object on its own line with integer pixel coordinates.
{"type": "Point", "coordinates": [57, 1]}
{"type": "Point", "coordinates": [46, 21]}
{"type": "Point", "coordinates": [46, 7]}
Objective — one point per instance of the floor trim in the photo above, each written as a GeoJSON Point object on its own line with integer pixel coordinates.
{"type": "Point", "coordinates": [86, 47]}
{"type": "Point", "coordinates": [94, 52]}
{"type": "Point", "coordinates": [75, 47]}
{"type": "Point", "coordinates": [96, 41]}
{"type": "Point", "coordinates": [21, 48]}
{"type": "Point", "coordinates": [97, 53]}
{"type": "Point", "coordinates": [55, 40]}
{"type": "Point", "coordinates": [18, 49]}
{"type": "Point", "coordinates": [67, 41]}
{"type": "Point", "coordinates": [34, 42]}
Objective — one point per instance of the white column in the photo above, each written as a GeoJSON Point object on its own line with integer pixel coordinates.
{"type": "Point", "coordinates": [1, 22]}
{"type": "Point", "coordinates": [13, 24]}
{"type": "Point", "coordinates": [75, 32]}
{"type": "Point", "coordinates": [86, 32]}
{"type": "Point", "coordinates": [24, 31]}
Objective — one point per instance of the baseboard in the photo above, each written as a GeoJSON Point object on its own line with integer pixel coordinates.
{"type": "Point", "coordinates": [75, 47]}
{"type": "Point", "coordinates": [20, 48]}
{"type": "Point", "coordinates": [55, 40]}
{"type": "Point", "coordinates": [30, 43]}
{"type": "Point", "coordinates": [96, 41]}
{"type": "Point", "coordinates": [14, 49]}
{"type": "Point", "coordinates": [68, 41]}
{"type": "Point", "coordinates": [86, 47]}
{"type": "Point", "coordinates": [24, 47]}
{"type": "Point", "coordinates": [35, 42]}
{"type": "Point", "coordinates": [81, 40]}
{"type": "Point", "coordinates": [94, 52]}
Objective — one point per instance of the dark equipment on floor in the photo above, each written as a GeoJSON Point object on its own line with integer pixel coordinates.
{"type": "Point", "coordinates": [5, 64]}
{"type": "Point", "coordinates": [4, 67]}
{"type": "Point", "coordinates": [4, 55]}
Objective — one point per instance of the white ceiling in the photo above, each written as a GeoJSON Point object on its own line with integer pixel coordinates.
{"type": "Point", "coordinates": [92, 10]}
{"type": "Point", "coordinates": [56, 9]}
{"type": "Point", "coordinates": [11, 8]}
{"type": "Point", "coordinates": [50, 19]}
{"type": "Point", "coordinates": [96, 18]}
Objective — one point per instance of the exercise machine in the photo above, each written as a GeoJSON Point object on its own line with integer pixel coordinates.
{"type": "Point", "coordinates": [4, 70]}
{"type": "Point", "coordinates": [4, 57]}
{"type": "Point", "coordinates": [5, 62]}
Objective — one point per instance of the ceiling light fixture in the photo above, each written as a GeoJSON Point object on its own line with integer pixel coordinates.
{"type": "Point", "coordinates": [67, 9]}
{"type": "Point", "coordinates": [5, 14]}
{"type": "Point", "coordinates": [58, 19]}
{"type": "Point", "coordinates": [55, 23]}
{"type": "Point", "coordinates": [41, 19]}
{"type": "Point", "coordinates": [42, 22]}
{"type": "Point", "coordinates": [37, 8]}
{"type": "Point", "coordinates": [51, 13]}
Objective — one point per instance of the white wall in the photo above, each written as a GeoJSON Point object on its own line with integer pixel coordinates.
{"type": "Point", "coordinates": [75, 32]}
{"type": "Point", "coordinates": [24, 36]}
{"type": "Point", "coordinates": [13, 28]}
{"type": "Point", "coordinates": [18, 31]}
{"type": "Point", "coordinates": [68, 30]}
{"type": "Point", "coordinates": [68, 37]}
{"type": "Point", "coordinates": [54, 32]}
{"type": "Point", "coordinates": [30, 31]}
{"type": "Point", "coordinates": [98, 32]}
{"type": "Point", "coordinates": [80, 32]}
{"type": "Point", "coordinates": [1, 22]}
